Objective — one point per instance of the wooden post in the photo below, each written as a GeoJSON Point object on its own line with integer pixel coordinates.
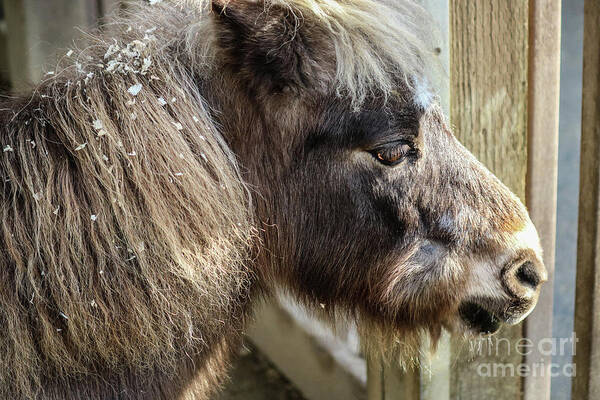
{"type": "Point", "coordinates": [300, 357]}
{"type": "Point", "coordinates": [586, 383]}
{"type": "Point", "coordinates": [109, 7]}
{"type": "Point", "coordinates": [488, 107]}
{"type": "Point", "coordinates": [37, 28]}
{"type": "Point", "coordinates": [3, 59]}
{"type": "Point", "coordinates": [542, 173]}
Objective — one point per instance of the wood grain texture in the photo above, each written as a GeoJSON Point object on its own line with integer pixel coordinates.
{"type": "Point", "coordinates": [300, 357]}
{"type": "Point", "coordinates": [542, 173]}
{"type": "Point", "coordinates": [375, 378]}
{"type": "Point", "coordinates": [488, 108]}
{"type": "Point", "coordinates": [387, 382]}
{"type": "Point", "coordinates": [3, 58]}
{"type": "Point", "coordinates": [586, 384]}
{"type": "Point", "coordinates": [108, 7]}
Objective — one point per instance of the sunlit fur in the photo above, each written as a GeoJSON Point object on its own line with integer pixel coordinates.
{"type": "Point", "coordinates": [374, 42]}
{"type": "Point", "coordinates": [122, 247]}
{"type": "Point", "coordinates": [191, 157]}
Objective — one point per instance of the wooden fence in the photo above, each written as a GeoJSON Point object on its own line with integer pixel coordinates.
{"type": "Point", "coordinates": [502, 91]}
{"type": "Point", "coordinates": [586, 384]}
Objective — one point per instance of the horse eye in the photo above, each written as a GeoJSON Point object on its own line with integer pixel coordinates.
{"type": "Point", "coordinates": [392, 154]}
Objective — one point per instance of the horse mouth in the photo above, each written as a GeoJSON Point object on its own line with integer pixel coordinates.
{"type": "Point", "coordinates": [478, 318]}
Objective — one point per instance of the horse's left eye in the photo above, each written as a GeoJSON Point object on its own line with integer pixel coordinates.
{"type": "Point", "coordinates": [393, 154]}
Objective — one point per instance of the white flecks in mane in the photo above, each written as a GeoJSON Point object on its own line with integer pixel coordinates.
{"type": "Point", "coordinates": [377, 43]}
{"type": "Point", "coordinates": [135, 89]}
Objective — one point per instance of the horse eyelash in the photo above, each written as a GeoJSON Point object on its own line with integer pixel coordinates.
{"type": "Point", "coordinates": [394, 153]}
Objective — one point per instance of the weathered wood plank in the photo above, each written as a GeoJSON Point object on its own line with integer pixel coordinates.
{"type": "Point", "coordinates": [3, 55]}
{"type": "Point", "coordinates": [375, 388]}
{"type": "Point", "coordinates": [297, 354]}
{"type": "Point", "coordinates": [488, 108]}
{"type": "Point", "coordinates": [542, 173]}
{"type": "Point", "coordinates": [434, 375]}
{"type": "Point", "coordinates": [586, 383]}
{"type": "Point", "coordinates": [36, 28]}
{"type": "Point", "coordinates": [109, 7]}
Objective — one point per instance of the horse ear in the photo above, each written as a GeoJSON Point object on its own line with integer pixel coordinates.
{"type": "Point", "coordinates": [266, 45]}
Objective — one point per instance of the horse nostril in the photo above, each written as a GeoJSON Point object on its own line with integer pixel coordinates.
{"type": "Point", "coordinates": [527, 275]}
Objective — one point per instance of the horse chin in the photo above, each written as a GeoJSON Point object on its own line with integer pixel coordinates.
{"type": "Point", "coordinates": [478, 319]}
{"type": "Point", "coordinates": [482, 316]}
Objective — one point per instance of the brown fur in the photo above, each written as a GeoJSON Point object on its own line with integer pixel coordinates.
{"type": "Point", "coordinates": [162, 271]}
{"type": "Point", "coordinates": [171, 172]}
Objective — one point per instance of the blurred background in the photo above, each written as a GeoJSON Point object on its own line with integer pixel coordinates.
{"type": "Point", "coordinates": [33, 32]}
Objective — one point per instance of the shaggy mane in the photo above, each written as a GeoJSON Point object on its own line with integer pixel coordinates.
{"type": "Point", "coordinates": [125, 223]}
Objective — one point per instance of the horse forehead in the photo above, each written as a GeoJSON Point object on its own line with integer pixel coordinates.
{"type": "Point", "coordinates": [422, 93]}
{"type": "Point", "coordinates": [371, 124]}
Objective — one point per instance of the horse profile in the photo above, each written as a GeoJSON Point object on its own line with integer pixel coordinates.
{"type": "Point", "coordinates": [196, 155]}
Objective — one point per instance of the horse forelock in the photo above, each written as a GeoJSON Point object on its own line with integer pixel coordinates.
{"type": "Point", "coordinates": [374, 44]}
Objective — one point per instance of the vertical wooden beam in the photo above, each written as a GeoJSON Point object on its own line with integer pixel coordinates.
{"type": "Point", "coordinates": [375, 378]}
{"type": "Point", "coordinates": [488, 107]}
{"type": "Point", "coordinates": [542, 173]}
{"type": "Point", "coordinates": [390, 382]}
{"type": "Point", "coordinates": [3, 55]}
{"type": "Point", "coordinates": [108, 7]}
{"type": "Point", "coordinates": [435, 372]}
{"type": "Point", "coordinates": [36, 28]}
{"type": "Point", "coordinates": [586, 383]}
